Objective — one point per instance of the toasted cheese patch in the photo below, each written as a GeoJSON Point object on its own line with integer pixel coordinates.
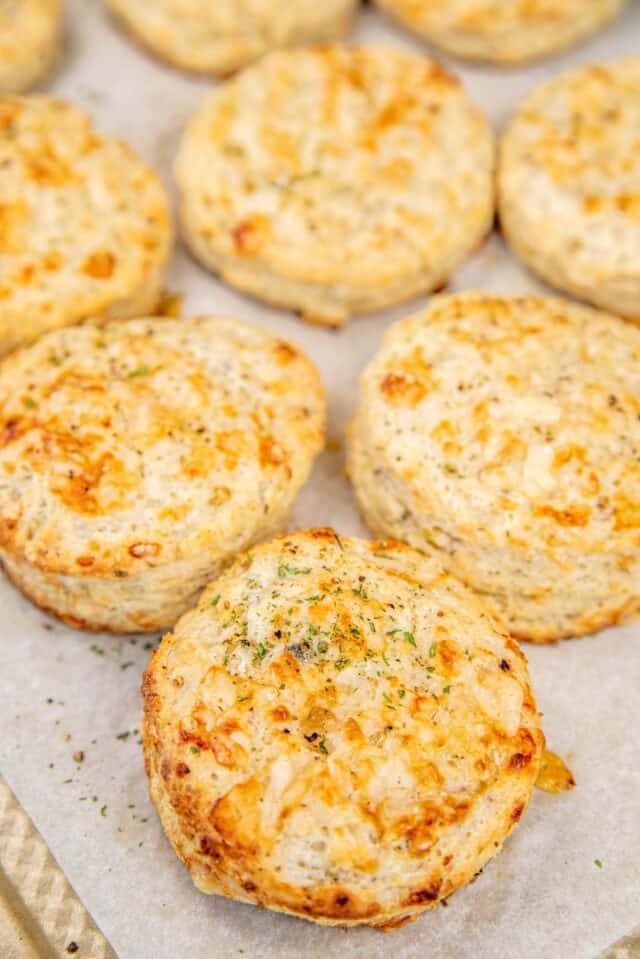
{"type": "Point", "coordinates": [336, 180]}
{"type": "Point", "coordinates": [222, 36]}
{"type": "Point", "coordinates": [137, 458]}
{"type": "Point", "coordinates": [358, 734]}
{"type": "Point", "coordinates": [569, 184]}
{"type": "Point", "coordinates": [503, 31]}
{"type": "Point", "coordinates": [554, 776]}
{"type": "Point", "coordinates": [519, 463]}
{"type": "Point", "coordinates": [85, 230]}
{"type": "Point", "coordinates": [29, 42]}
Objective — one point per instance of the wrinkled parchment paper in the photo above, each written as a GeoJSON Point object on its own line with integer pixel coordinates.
{"type": "Point", "coordinates": [568, 882]}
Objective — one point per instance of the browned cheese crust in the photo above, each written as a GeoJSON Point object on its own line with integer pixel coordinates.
{"type": "Point", "coordinates": [137, 459]}
{"type": "Point", "coordinates": [339, 731]}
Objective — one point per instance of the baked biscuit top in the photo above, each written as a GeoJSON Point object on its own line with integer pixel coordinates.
{"type": "Point", "coordinates": [29, 32]}
{"type": "Point", "coordinates": [517, 419]}
{"type": "Point", "coordinates": [151, 440]}
{"type": "Point", "coordinates": [504, 31]}
{"type": "Point", "coordinates": [226, 34]}
{"type": "Point", "coordinates": [338, 165]}
{"type": "Point", "coordinates": [84, 224]}
{"type": "Point", "coordinates": [341, 727]}
{"type": "Point", "coordinates": [570, 168]}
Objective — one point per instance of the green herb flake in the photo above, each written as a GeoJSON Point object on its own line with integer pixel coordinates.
{"type": "Point", "coordinates": [242, 699]}
{"type": "Point", "coordinates": [123, 736]}
{"type": "Point", "coordinates": [98, 650]}
{"type": "Point", "coordinates": [103, 811]}
{"type": "Point", "coordinates": [341, 664]}
{"type": "Point", "coordinates": [402, 693]}
{"type": "Point", "coordinates": [261, 652]}
{"type": "Point", "coordinates": [55, 360]}
{"type": "Point", "coordinates": [598, 863]}
{"type": "Point", "coordinates": [126, 665]}
{"type": "Point", "coordinates": [410, 638]}
{"type": "Point", "coordinates": [29, 402]}
{"type": "Point", "coordinates": [432, 650]}
{"type": "Point", "coordinates": [446, 689]}
{"type": "Point", "coordinates": [194, 749]}
{"type": "Point", "coordinates": [215, 600]}
{"type": "Point", "coordinates": [322, 647]}
{"type": "Point", "coordinates": [285, 570]}
{"type": "Point", "coordinates": [139, 371]}
{"type": "Point", "coordinates": [322, 748]}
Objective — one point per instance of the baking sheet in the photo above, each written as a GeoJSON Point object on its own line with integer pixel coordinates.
{"type": "Point", "coordinates": [567, 884]}
{"type": "Point", "coordinates": [40, 914]}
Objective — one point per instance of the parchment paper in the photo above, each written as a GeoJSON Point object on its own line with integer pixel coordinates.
{"type": "Point", "coordinates": [567, 884]}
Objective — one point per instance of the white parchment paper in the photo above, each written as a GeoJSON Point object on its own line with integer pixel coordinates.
{"type": "Point", "coordinates": [567, 884]}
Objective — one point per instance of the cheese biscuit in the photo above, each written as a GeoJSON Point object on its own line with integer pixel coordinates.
{"type": "Point", "coordinates": [569, 184]}
{"type": "Point", "coordinates": [85, 229]}
{"type": "Point", "coordinates": [338, 731]}
{"type": "Point", "coordinates": [336, 181]}
{"type": "Point", "coordinates": [502, 435]}
{"type": "Point", "coordinates": [29, 42]}
{"type": "Point", "coordinates": [503, 31]}
{"type": "Point", "coordinates": [222, 36]}
{"type": "Point", "coordinates": [137, 458]}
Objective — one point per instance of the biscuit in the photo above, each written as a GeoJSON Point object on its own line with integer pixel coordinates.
{"type": "Point", "coordinates": [338, 731]}
{"type": "Point", "coordinates": [504, 32]}
{"type": "Point", "coordinates": [29, 42]}
{"type": "Point", "coordinates": [221, 37]}
{"type": "Point", "coordinates": [502, 435]}
{"type": "Point", "coordinates": [569, 184]}
{"type": "Point", "coordinates": [85, 229]}
{"type": "Point", "coordinates": [137, 458]}
{"type": "Point", "coordinates": [337, 180]}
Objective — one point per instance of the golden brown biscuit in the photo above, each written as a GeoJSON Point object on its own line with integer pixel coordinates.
{"type": "Point", "coordinates": [503, 31]}
{"type": "Point", "coordinates": [138, 458]}
{"type": "Point", "coordinates": [85, 229]}
{"type": "Point", "coordinates": [220, 37]}
{"type": "Point", "coordinates": [501, 434]}
{"type": "Point", "coordinates": [569, 184]}
{"type": "Point", "coordinates": [336, 181]}
{"type": "Point", "coordinates": [339, 731]}
{"type": "Point", "coordinates": [29, 42]}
